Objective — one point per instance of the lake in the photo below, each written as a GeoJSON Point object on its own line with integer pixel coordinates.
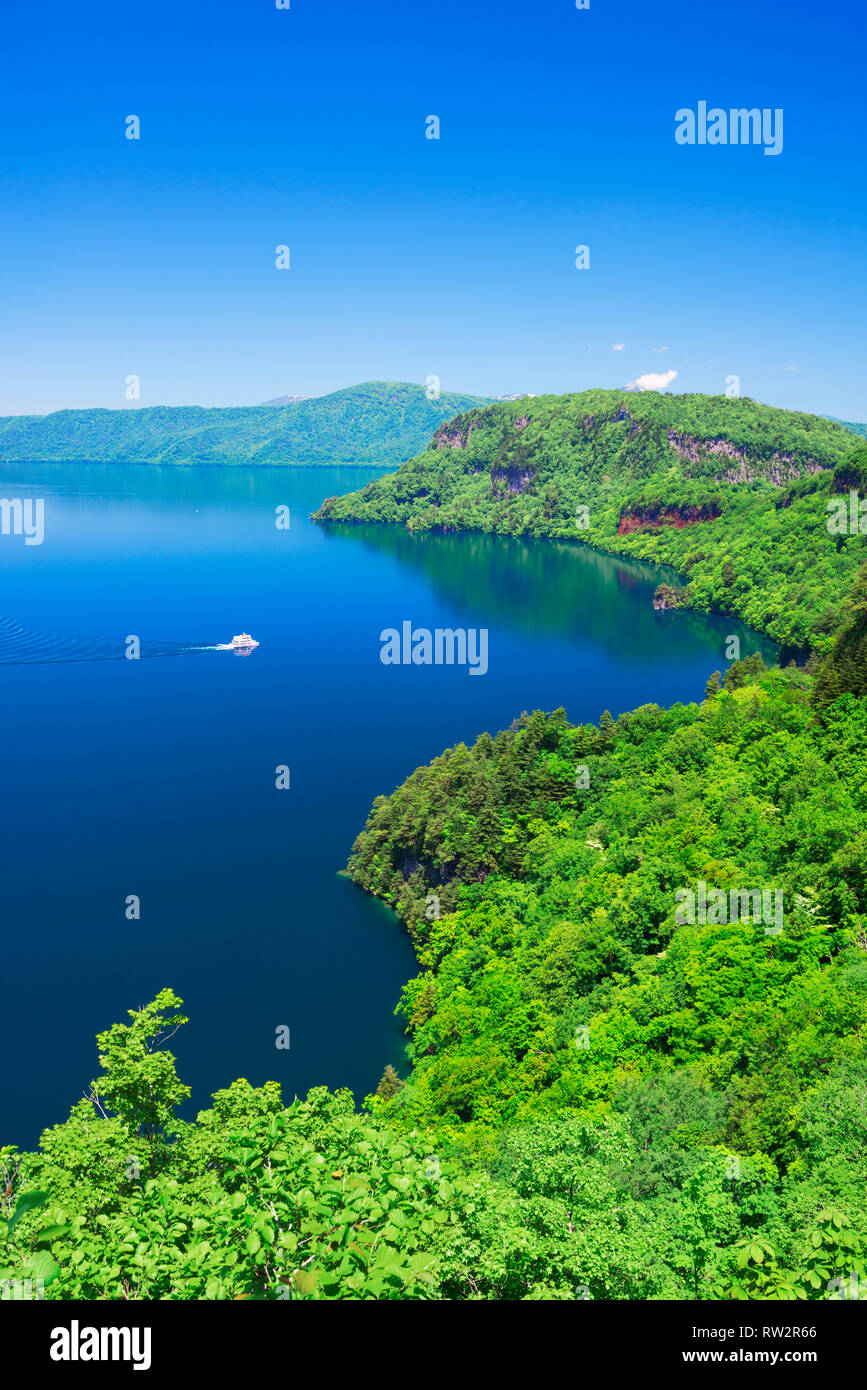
{"type": "Point", "coordinates": [157, 777]}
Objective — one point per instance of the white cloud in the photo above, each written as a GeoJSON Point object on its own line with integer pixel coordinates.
{"type": "Point", "coordinates": [618, 347]}
{"type": "Point", "coordinates": [652, 381]}
{"type": "Point", "coordinates": [659, 349]}
{"type": "Point", "coordinates": [791, 369]}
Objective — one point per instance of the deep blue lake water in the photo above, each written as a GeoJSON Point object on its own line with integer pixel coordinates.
{"type": "Point", "coordinates": [157, 777]}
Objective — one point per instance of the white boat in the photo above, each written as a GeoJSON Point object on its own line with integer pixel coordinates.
{"type": "Point", "coordinates": [242, 643]}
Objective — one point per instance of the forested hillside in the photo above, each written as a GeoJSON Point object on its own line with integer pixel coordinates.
{"type": "Point", "coordinates": [604, 1102]}
{"type": "Point", "coordinates": [855, 426]}
{"type": "Point", "coordinates": [377, 422]}
{"type": "Point", "coordinates": [730, 493]}
{"type": "Point", "coordinates": [637, 1041]}
{"type": "Point", "coordinates": [554, 907]}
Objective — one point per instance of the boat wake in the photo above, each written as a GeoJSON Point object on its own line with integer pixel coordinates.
{"type": "Point", "coordinates": [21, 647]}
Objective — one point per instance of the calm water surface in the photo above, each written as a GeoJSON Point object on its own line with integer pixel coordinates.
{"type": "Point", "coordinates": [157, 777]}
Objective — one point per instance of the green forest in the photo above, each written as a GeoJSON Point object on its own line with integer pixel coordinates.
{"type": "Point", "coordinates": [601, 1103]}
{"type": "Point", "coordinates": [733, 495]}
{"type": "Point", "coordinates": [376, 422]}
{"type": "Point", "coordinates": [608, 1093]}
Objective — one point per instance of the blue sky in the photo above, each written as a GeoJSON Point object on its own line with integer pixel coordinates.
{"type": "Point", "coordinates": [409, 256]}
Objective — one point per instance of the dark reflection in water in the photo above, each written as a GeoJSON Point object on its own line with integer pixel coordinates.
{"type": "Point", "coordinates": [554, 587]}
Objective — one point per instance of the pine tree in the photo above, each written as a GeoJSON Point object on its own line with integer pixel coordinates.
{"type": "Point", "coordinates": [390, 1083]}
{"type": "Point", "coordinates": [713, 685]}
{"type": "Point", "coordinates": [606, 726]}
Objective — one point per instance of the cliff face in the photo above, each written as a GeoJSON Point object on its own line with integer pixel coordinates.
{"type": "Point", "coordinates": [852, 473]}
{"type": "Point", "coordinates": [747, 465]}
{"type": "Point", "coordinates": [645, 475]}
{"type": "Point", "coordinates": [667, 597]}
{"type": "Point", "coordinates": [651, 518]}
{"type": "Point", "coordinates": [452, 436]}
{"type": "Point", "coordinates": [515, 479]}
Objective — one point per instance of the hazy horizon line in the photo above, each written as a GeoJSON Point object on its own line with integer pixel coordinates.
{"type": "Point", "coordinates": [277, 402]}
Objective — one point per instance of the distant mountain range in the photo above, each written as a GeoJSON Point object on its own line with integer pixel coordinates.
{"type": "Point", "coordinates": [383, 422]}
{"type": "Point", "coordinates": [849, 425]}
{"type": "Point", "coordinates": [377, 422]}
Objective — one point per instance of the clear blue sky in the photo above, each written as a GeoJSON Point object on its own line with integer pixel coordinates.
{"type": "Point", "coordinates": [411, 256]}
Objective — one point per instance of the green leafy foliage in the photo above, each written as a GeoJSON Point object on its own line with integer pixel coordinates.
{"type": "Point", "coordinates": [844, 669]}
{"type": "Point", "coordinates": [557, 909]}
{"type": "Point", "coordinates": [376, 422]}
{"type": "Point", "coordinates": [732, 494]}
{"type": "Point", "coordinates": [604, 1101]}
